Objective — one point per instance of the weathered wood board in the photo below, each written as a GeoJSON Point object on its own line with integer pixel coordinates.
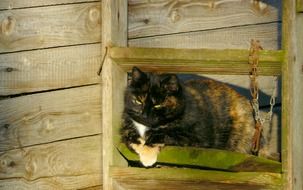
{"type": "Point", "coordinates": [139, 184]}
{"type": "Point", "coordinates": [207, 61]}
{"type": "Point", "coordinates": [14, 4]}
{"type": "Point", "coordinates": [51, 26]}
{"type": "Point", "coordinates": [161, 17]}
{"type": "Point", "coordinates": [208, 158]}
{"type": "Point", "coordinates": [52, 116]}
{"type": "Point", "coordinates": [234, 38]}
{"type": "Point", "coordinates": [128, 177]}
{"type": "Point", "coordinates": [82, 182]}
{"type": "Point", "coordinates": [297, 141]}
{"type": "Point", "coordinates": [39, 70]}
{"type": "Point", "coordinates": [69, 164]}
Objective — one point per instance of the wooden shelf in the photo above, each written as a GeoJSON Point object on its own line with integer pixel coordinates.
{"type": "Point", "coordinates": [182, 178]}
{"type": "Point", "coordinates": [210, 61]}
{"type": "Point", "coordinates": [209, 158]}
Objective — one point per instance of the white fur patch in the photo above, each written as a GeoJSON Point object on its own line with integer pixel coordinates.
{"type": "Point", "coordinates": [140, 128]}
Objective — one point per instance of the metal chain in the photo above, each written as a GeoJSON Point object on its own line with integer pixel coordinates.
{"type": "Point", "coordinates": [254, 90]}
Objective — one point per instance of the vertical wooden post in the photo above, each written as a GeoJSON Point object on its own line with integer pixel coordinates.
{"type": "Point", "coordinates": [287, 91]}
{"type": "Point", "coordinates": [298, 107]}
{"type": "Point", "coordinates": [114, 33]}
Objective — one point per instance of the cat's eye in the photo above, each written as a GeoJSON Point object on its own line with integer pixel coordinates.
{"type": "Point", "coordinates": [137, 102]}
{"type": "Point", "coordinates": [157, 106]}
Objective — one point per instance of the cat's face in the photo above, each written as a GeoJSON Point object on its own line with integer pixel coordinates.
{"type": "Point", "coordinates": [153, 100]}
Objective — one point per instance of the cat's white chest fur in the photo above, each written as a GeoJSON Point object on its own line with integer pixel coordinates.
{"type": "Point", "coordinates": [140, 128]}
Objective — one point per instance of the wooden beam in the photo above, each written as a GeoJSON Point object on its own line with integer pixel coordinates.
{"type": "Point", "coordinates": [297, 141]}
{"type": "Point", "coordinates": [209, 158]}
{"type": "Point", "coordinates": [196, 60]}
{"type": "Point", "coordinates": [288, 41]}
{"type": "Point", "coordinates": [114, 33]}
{"type": "Point", "coordinates": [266, 180]}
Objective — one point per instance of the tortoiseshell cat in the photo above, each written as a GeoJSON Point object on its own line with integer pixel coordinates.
{"type": "Point", "coordinates": [161, 110]}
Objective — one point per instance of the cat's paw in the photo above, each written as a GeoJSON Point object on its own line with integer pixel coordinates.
{"type": "Point", "coordinates": [148, 155]}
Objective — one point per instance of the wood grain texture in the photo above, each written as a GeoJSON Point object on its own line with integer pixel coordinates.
{"type": "Point", "coordinates": [156, 175]}
{"type": "Point", "coordinates": [67, 164]}
{"type": "Point", "coordinates": [231, 38]}
{"type": "Point", "coordinates": [82, 182]}
{"type": "Point", "coordinates": [51, 116]}
{"type": "Point", "coordinates": [183, 185]}
{"type": "Point", "coordinates": [114, 33]}
{"type": "Point", "coordinates": [288, 45]}
{"type": "Point", "coordinates": [42, 27]}
{"type": "Point", "coordinates": [207, 61]}
{"type": "Point", "coordinates": [13, 4]}
{"type": "Point", "coordinates": [46, 69]}
{"type": "Point", "coordinates": [150, 18]}
{"type": "Point", "coordinates": [298, 107]}
{"type": "Point", "coordinates": [208, 158]}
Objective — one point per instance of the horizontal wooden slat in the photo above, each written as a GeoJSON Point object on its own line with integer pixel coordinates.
{"type": "Point", "coordinates": [42, 27]}
{"type": "Point", "coordinates": [196, 60]}
{"type": "Point", "coordinates": [13, 4]}
{"type": "Point", "coordinates": [51, 116]}
{"type": "Point", "coordinates": [209, 158]}
{"type": "Point", "coordinates": [139, 184]}
{"type": "Point", "coordinates": [149, 18]}
{"type": "Point", "coordinates": [267, 180]}
{"type": "Point", "coordinates": [51, 183]}
{"type": "Point", "coordinates": [68, 164]}
{"type": "Point", "coordinates": [49, 69]}
{"type": "Point", "coordinates": [224, 38]}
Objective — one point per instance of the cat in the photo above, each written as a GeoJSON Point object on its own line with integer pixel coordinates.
{"type": "Point", "coordinates": [161, 110]}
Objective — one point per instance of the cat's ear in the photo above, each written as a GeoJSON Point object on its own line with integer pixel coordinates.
{"type": "Point", "coordinates": [137, 75]}
{"type": "Point", "coordinates": [171, 84]}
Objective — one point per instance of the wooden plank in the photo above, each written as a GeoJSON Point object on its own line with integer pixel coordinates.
{"type": "Point", "coordinates": [14, 4]}
{"type": "Point", "coordinates": [299, 5]}
{"type": "Point", "coordinates": [43, 27]}
{"type": "Point", "coordinates": [72, 158]}
{"type": "Point", "coordinates": [155, 18]}
{"type": "Point", "coordinates": [66, 67]}
{"type": "Point", "coordinates": [224, 38]}
{"type": "Point", "coordinates": [298, 107]}
{"type": "Point", "coordinates": [209, 158]}
{"type": "Point", "coordinates": [268, 180]}
{"type": "Point", "coordinates": [114, 33]}
{"type": "Point", "coordinates": [288, 31]}
{"type": "Point", "coordinates": [181, 185]}
{"type": "Point", "coordinates": [52, 116]}
{"type": "Point", "coordinates": [57, 182]}
{"type": "Point", "coordinates": [196, 60]}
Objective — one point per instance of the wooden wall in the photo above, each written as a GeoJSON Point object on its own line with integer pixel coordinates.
{"type": "Point", "coordinates": [50, 104]}
{"type": "Point", "coordinates": [50, 107]}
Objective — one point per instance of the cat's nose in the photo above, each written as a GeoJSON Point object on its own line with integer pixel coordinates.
{"type": "Point", "coordinates": [144, 115]}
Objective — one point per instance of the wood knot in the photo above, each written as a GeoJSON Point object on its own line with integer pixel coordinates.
{"type": "Point", "coordinates": [260, 6]}
{"type": "Point", "coordinates": [94, 15]}
{"type": "Point", "coordinates": [175, 16]}
{"type": "Point", "coordinates": [8, 25]}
